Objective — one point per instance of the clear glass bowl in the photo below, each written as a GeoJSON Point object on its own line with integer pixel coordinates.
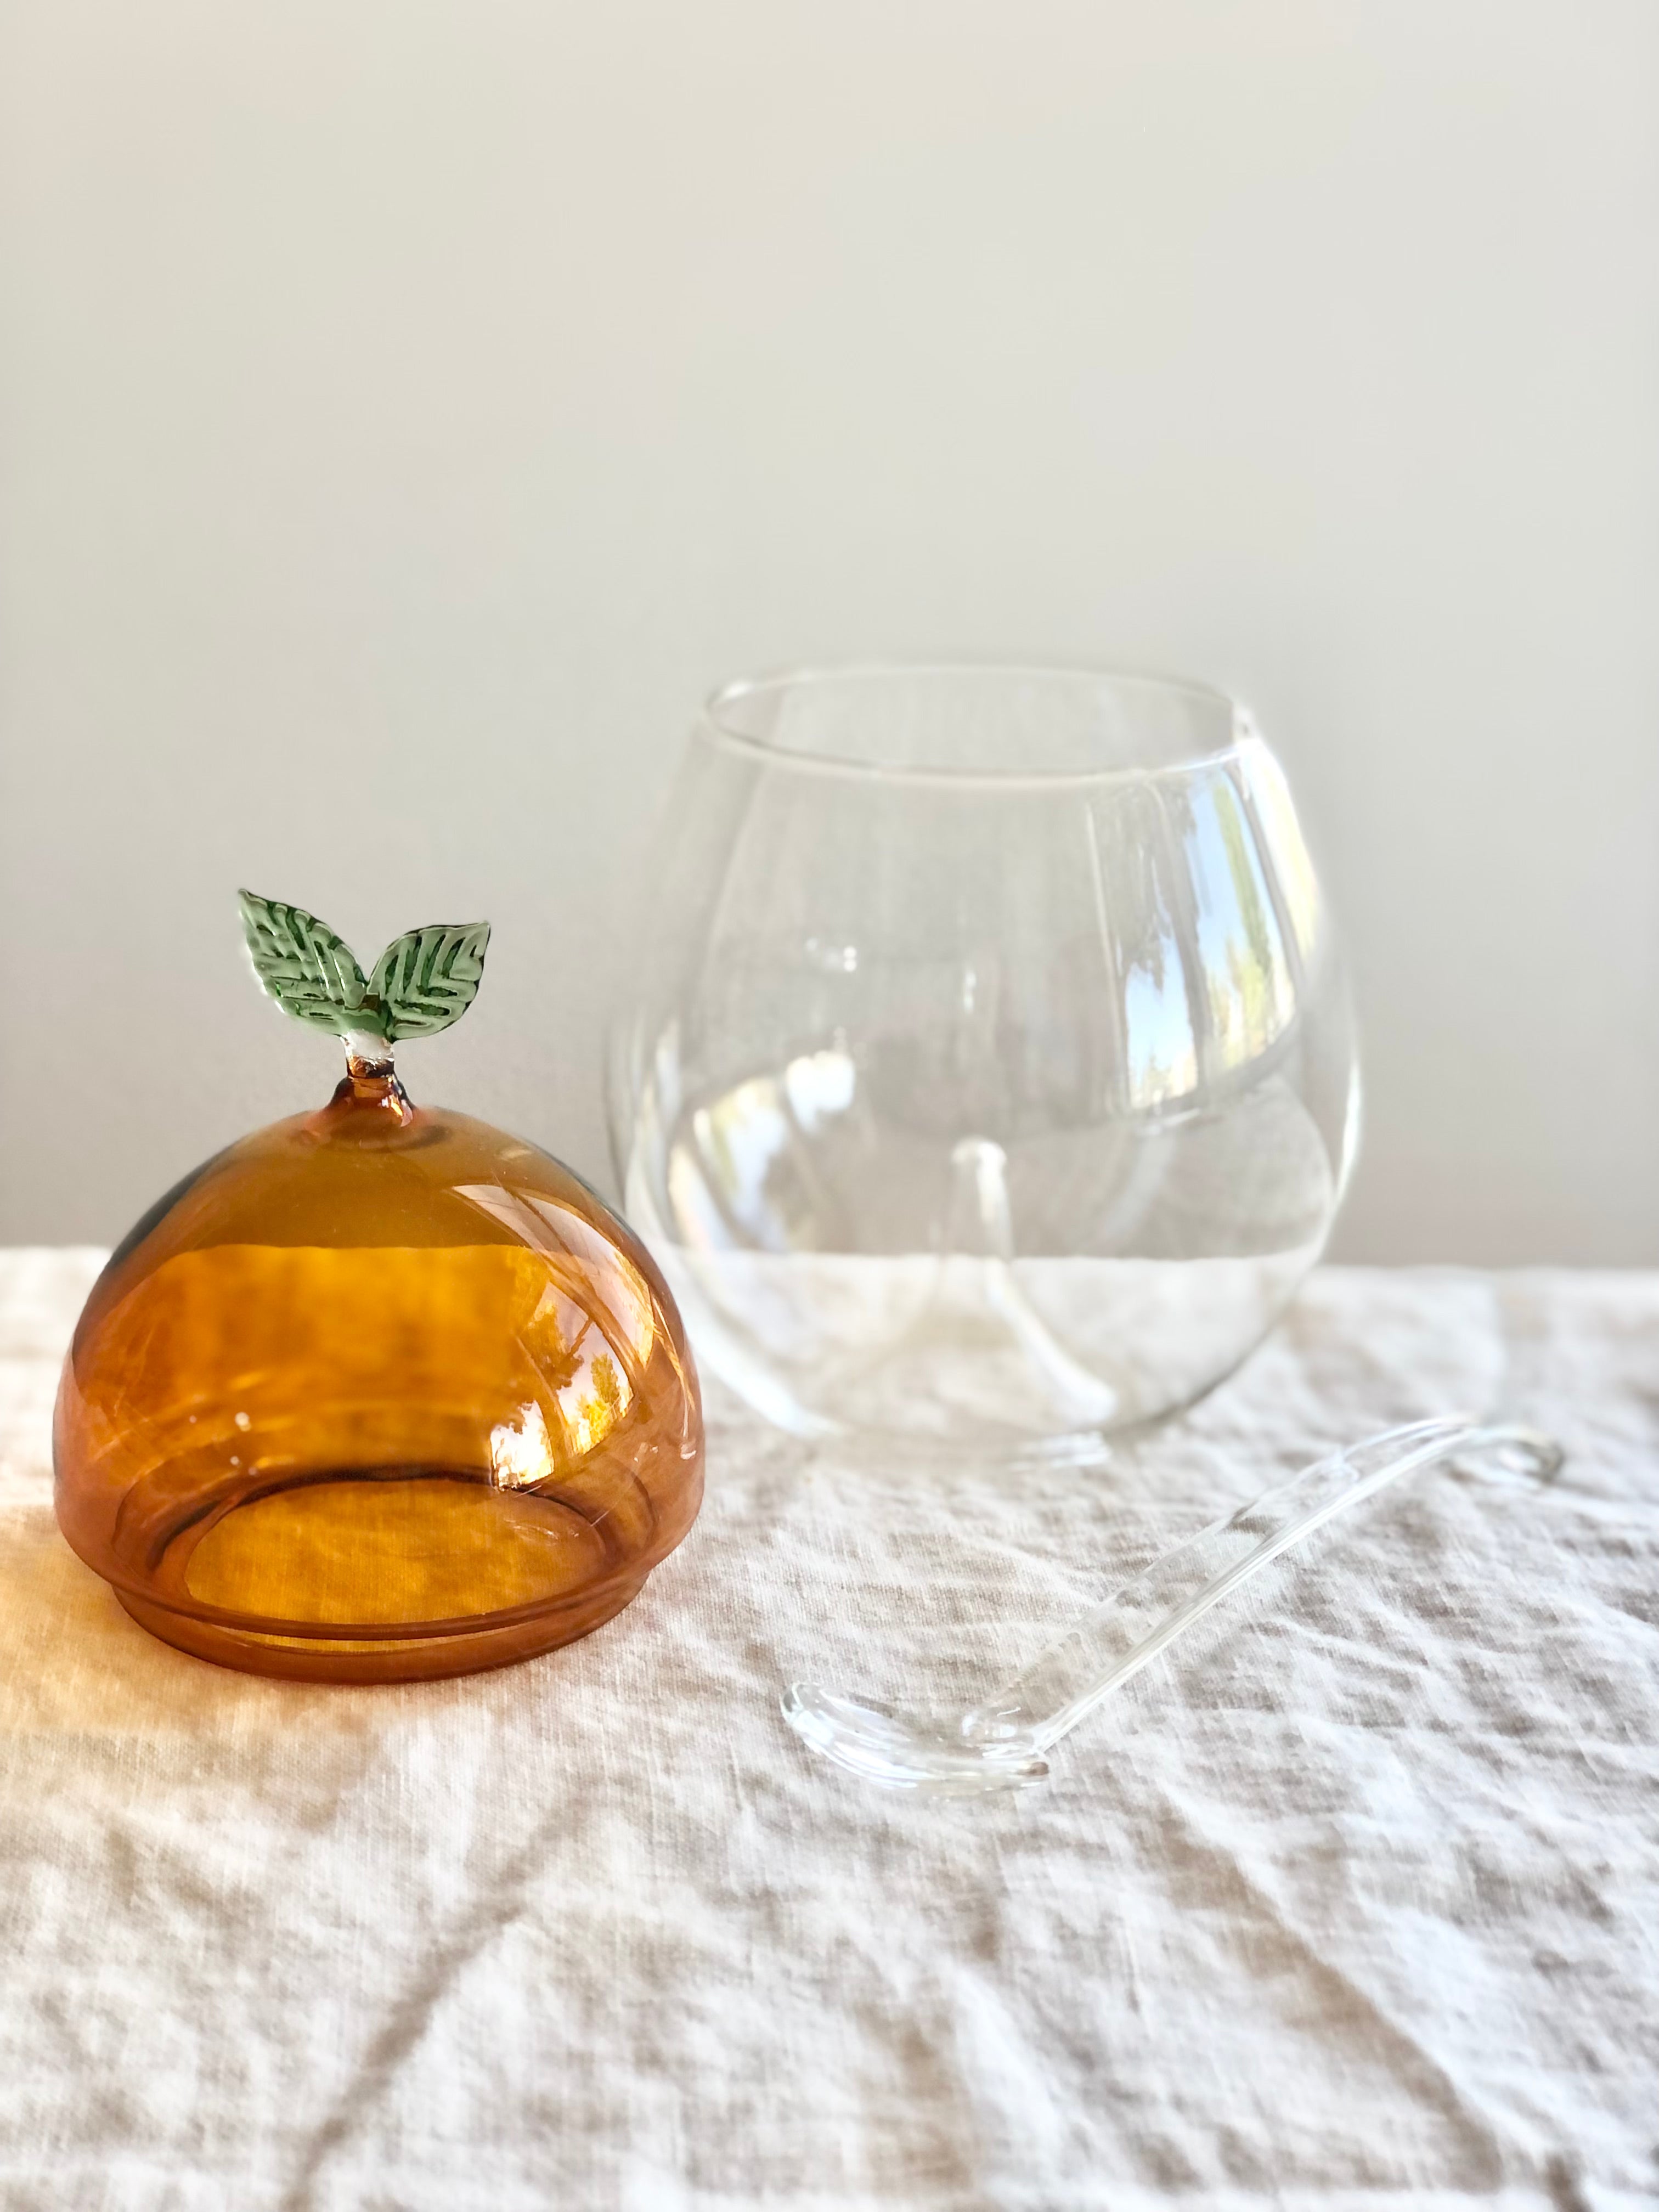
{"type": "Point", "coordinates": [990, 1072]}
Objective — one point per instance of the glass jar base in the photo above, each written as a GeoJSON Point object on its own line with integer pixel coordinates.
{"type": "Point", "coordinates": [416, 1658]}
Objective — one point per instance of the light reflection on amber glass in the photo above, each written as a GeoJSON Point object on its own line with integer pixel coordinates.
{"type": "Point", "coordinates": [570, 1338]}
{"type": "Point", "coordinates": [600, 1285]}
{"type": "Point", "coordinates": [596, 1399]}
{"type": "Point", "coordinates": [520, 1450]}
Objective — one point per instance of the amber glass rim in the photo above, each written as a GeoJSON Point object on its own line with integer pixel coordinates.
{"type": "Point", "coordinates": [724, 720]}
{"type": "Point", "coordinates": [371, 1631]}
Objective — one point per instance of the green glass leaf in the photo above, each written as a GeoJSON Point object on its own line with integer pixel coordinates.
{"type": "Point", "coordinates": [427, 978]}
{"type": "Point", "coordinates": [423, 981]}
{"type": "Point", "coordinates": [307, 967]}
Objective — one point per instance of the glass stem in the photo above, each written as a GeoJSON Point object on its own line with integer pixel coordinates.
{"type": "Point", "coordinates": [368, 1055]}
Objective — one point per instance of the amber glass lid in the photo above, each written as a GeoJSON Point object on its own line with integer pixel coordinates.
{"type": "Point", "coordinates": [381, 1390]}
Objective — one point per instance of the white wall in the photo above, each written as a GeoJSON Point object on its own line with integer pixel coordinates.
{"type": "Point", "coordinates": [410, 408]}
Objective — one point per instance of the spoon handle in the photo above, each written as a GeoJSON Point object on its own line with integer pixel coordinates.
{"type": "Point", "coordinates": [1000, 1741]}
{"type": "Point", "coordinates": [1065, 1683]}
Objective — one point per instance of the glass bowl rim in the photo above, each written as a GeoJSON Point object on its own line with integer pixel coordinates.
{"type": "Point", "coordinates": [714, 720]}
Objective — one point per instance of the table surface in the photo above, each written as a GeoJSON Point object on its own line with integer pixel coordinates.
{"type": "Point", "coordinates": [1353, 1901]}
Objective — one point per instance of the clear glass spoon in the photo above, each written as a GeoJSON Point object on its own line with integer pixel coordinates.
{"type": "Point", "coordinates": [1000, 1743]}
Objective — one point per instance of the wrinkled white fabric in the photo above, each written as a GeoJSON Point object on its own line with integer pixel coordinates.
{"type": "Point", "coordinates": [1352, 1902]}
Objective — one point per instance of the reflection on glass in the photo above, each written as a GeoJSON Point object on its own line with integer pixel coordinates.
{"type": "Point", "coordinates": [594, 1284]}
{"type": "Point", "coordinates": [1162, 1063]}
{"type": "Point", "coordinates": [818, 1084]}
{"type": "Point", "coordinates": [1287, 852]}
{"type": "Point", "coordinates": [741, 1140]}
{"type": "Point", "coordinates": [520, 1450]}
{"type": "Point", "coordinates": [1242, 957]}
{"type": "Point", "coordinates": [1133, 879]}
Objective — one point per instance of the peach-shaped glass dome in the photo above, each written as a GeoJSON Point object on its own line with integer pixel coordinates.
{"type": "Point", "coordinates": [379, 1393]}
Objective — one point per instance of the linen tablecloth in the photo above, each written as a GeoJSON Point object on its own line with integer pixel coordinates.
{"type": "Point", "coordinates": [1352, 1902]}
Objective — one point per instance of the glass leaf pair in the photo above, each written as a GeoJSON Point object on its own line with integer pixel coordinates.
{"type": "Point", "coordinates": [424, 980]}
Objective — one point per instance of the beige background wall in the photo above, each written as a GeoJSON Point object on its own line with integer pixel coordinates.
{"type": "Point", "coordinates": [408, 411]}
